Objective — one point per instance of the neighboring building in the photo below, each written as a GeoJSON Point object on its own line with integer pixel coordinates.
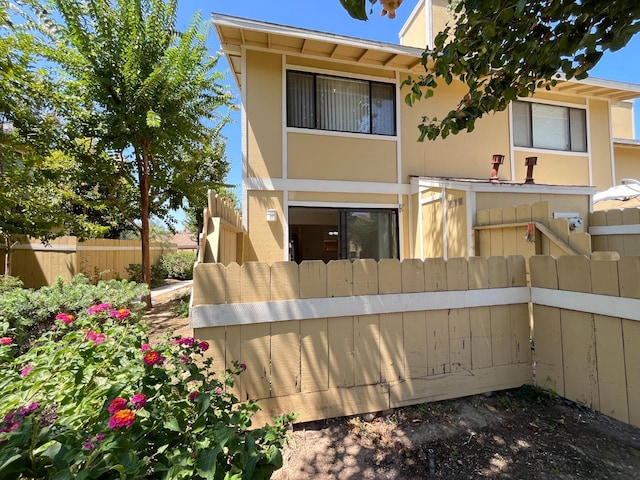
{"type": "Point", "coordinates": [332, 168]}
{"type": "Point", "coordinates": [185, 241]}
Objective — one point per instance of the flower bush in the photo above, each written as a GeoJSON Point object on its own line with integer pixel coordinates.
{"type": "Point", "coordinates": [93, 398]}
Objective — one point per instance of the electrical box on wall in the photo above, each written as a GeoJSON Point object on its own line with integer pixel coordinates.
{"type": "Point", "coordinates": [574, 219]}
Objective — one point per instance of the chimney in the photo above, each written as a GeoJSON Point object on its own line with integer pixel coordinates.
{"type": "Point", "coordinates": [530, 162]}
{"type": "Point", "coordinates": [496, 162]}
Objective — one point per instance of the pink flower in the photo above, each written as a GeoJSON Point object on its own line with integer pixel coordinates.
{"type": "Point", "coordinates": [120, 314]}
{"type": "Point", "coordinates": [218, 390]}
{"type": "Point", "coordinates": [26, 371]}
{"type": "Point", "coordinates": [243, 366]}
{"type": "Point", "coordinates": [65, 318]}
{"type": "Point", "coordinates": [117, 404]}
{"type": "Point", "coordinates": [186, 341]}
{"type": "Point", "coordinates": [139, 400]}
{"type": "Point", "coordinates": [184, 359]}
{"type": "Point", "coordinates": [122, 419]}
{"type": "Point", "coordinates": [92, 442]}
{"type": "Point", "coordinates": [6, 341]}
{"type": "Point", "coordinates": [95, 337]}
{"type": "Point", "coordinates": [193, 395]}
{"type": "Point", "coordinates": [144, 347]}
{"type": "Point", "coordinates": [99, 308]}
{"type": "Point", "coordinates": [151, 357]}
{"type": "Point", "coordinates": [203, 346]}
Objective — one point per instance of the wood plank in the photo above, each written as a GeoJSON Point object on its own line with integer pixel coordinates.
{"type": "Point", "coordinates": [547, 336]}
{"type": "Point", "coordinates": [419, 390]}
{"type": "Point", "coordinates": [521, 325]}
{"type": "Point", "coordinates": [574, 273]}
{"type": "Point", "coordinates": [484, 236]}
{"type": "Point", "coordinates": [365, 277]}
{"type": "Point", "coordinates": [480, 328]}
{"type": "Point", "coordinates": [412, 274]}
{"type": "Point", "coordinates": [483, 217]}
{"type": "Point", "coordinates": [628, 274]}
{"type": "Point", "coordinates": [285, 358]}
{"type": "Point", "coordinates": [459, 339]}
{"type": "Point", "coordinates": [600, 243]}
{"type": "Point", "coordinates": [631, 333]}
{"type": "Point", "coordinates": [497, 273]}
{"type": "Point", "coordinates": [234, 353]}
{"type": "Point", "coordinates": [285, 283]}
{"type": "Point", "coordinates": [341, 352]}
{"type": "Point", "coordinates": [339, 278]}
{"type": "Point", "coordinates": [479, 272]}
{"type": "Point", "coordinates": [438, 342]}
{"type": "Point", "coordinates": [255, 279]}
{"type": "Point", "coordinates": [631, 243]}
{"type": "Point", "coordinates": [579, 355]}
{"type": "Point", "coordinates": [217, 339]}
{"type": "Point", "coordinates": [615, 242]}
{"type": "Point", "coordinates": [335, 402]}
{"type": "Point", "coordinates": [509, 241]}
{"type": "Point", "coordinates": [313, 279]}
{"type": "Point", "coordinates": [256, 354]}
{"type": "Point", "coordinates": [314, 359]}
{"type": "Point", "coordinates": [501, 335]}
{"type": "Point", "coordinates": [612, 378]}
{"type": "Point", "coordinates": [604, 277]}
{"type": "Point", "coordinates": [540, 212]}
{"type": "Point", "coordinates": [516, 271]}
{"type": "Point", "coordinates": [544, 272]}
{"type": "Point", "coordinates": [209, 284]}
{"type": "Point", "coordinates": [232, 283]}
{"type": "Point", "coordinates": [392, 348]}
{"type": "Point", "coordinates": [415, 344]}
{"type": "Point", "coordinates": [367, 350]}
{"type": "Point", "coordinates": [457, 274]}
{"type": "Point", "coordinates": [496, 234]}
{"type": "Point", "coordinates": [389, 276]}
{"type": "Point", "coordinates": [523, 213]}
{"type": "Point", "coordinates": [435, 275]}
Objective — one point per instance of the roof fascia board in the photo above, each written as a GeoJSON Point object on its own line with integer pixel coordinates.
{"type": "Point", "coordinates": [505, 187]}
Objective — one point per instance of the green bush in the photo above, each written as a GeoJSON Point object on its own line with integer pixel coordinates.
{"type": "Point", "coordinates": [27, 313]}
{"type": "Point", "coordinates": [134, 270]}
{"type": "Point", "coordinates": [178, 265]}
{"type": "Point", "coordinates": [7, 282]}
{"type": "Point", "coordinates": [92, 399]}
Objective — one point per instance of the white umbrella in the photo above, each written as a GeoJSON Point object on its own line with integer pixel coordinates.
{"type": "Point", "coordinates": [621, 196]}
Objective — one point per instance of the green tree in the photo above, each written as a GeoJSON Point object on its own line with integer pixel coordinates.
{"type": "Point", "coordinates": [506, 49]}
{"type": "Point", "coordinates": [146, 92]}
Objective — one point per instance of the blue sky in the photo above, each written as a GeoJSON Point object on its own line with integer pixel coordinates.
{"type": "Point", "coordinates": [329, 16]}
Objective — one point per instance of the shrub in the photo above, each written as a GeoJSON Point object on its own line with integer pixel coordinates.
{"type": "Point", "coordinates": [30, 312]}
{"type": "Point", "coordinates": [178, 265]}
{"type": "Point", "coordinates": [93, 399]}
{"type": "Point", "coordinates": [7, 282]}
{"type": "Point", "coordinates": [134, 270]}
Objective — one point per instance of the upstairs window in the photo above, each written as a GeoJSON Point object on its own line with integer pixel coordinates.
{"type": "Point", "coordinates": [549, 127]}
{"type": "Point", "coordinates": [339, 104]}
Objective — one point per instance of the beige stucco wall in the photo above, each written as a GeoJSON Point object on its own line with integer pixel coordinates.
{"type": "Point", "coordinates": [462, 155]}
{"type": "Point", "coordinates": [263, 105]}
{"type": "Point", "coordinates": [414, 31]}
{"type": "Point", "coordinates": [339, 68]}
{"type": "Point", "coordinates": [340, 197]}
{"type": "Point", "coordinates": [600, 146]}
{"type": "Point", "coordinates": [266, 239]}
{"type": "Point", "coordinates": [337, 157]}
{"type": "Point", "coordinates": [553, 168]}
{"type": "Point", "coordinates": [622, 120]}
{"type": "Point", "coordinates": [627, 162]}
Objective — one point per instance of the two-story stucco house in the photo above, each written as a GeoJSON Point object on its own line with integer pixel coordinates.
{"type": "Point", "coordinates": [331, 164]}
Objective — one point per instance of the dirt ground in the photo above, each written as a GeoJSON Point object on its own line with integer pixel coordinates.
{"type": "Point", "coordinates": [516, 434]}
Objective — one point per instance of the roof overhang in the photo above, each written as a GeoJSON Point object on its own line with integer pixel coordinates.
{"type": "Point", "coordinates": [235, 33]}
{"type": "Point", "coordinates": [504, 186]}
{"type": "Point", "coordinates": [627, 143]}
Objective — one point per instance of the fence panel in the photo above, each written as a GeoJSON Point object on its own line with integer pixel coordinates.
{"type": "Point", "coordinates": [343, 338]}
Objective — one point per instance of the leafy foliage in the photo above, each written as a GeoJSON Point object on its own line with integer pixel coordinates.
{"type": "Point", "coordinates": [93, 399]}
{"type": "Point", "coordinates": [27, 313]}
{"type": "Point", "coordinates": [178, 265]}
{"type": "Point", "coordinates": [134, 270]}
{"type": "Point", "coordinates": [502, 50]}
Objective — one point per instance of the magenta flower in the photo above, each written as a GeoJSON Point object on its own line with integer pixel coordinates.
{"type": "Point", "coordinates": [122, 419]}
{"type": "Point", "coordinates": [26, 371]}
{"type": "Point", "coordinates": [151, 357]}
{"type": "Point", "coordinates": [203, 346]}
{"type": "Point", "coordinates": [139, 400]}
{"type": "Point", "coordinates": [218, 390]}
{"type": "Point", "coordinates": [117, 404]}
{"type": "Point", "coordinates": [120, 314]}
{"type": "Point", "coordinates": [243, 366]}
{"type": "Point", "coordinates": [99, 308]}
{"type": "Point", "coordinates": [65, 318]}
{"type": "Point", "coordinates": [6, 341]}
{"type": "Point", "coordinates": [92, 442]}
{"type": "Point", "coordinates": [95, 337]}
{"type": "Point", "coordinates": [144, 347]}
{"type": "Point", "coordinates": [193, 395]}
{"type": "Point", "coordinates": [186, 341]}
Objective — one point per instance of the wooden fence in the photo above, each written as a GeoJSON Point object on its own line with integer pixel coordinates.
{"type": "Point", "coordinates": [527, 230]}
{"type": "Point", "coordinates": [587, 331]}
{"type": "Point", "coordinates": [222, 240]}
{"type": "Point", "coordinates": [342, 338]}
{"type": "Point", "coordinates": [38, 264]}
{"type": "Point", "coordinates": [616, 230]}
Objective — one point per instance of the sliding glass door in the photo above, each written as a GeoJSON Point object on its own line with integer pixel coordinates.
{"type": "Point", "coordinates": [342, 233]}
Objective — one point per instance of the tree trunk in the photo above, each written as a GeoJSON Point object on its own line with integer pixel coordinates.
{"type": "Point", "coordinates": [144, 218]}
{"type": "Point", "coordinates": [7, 256]}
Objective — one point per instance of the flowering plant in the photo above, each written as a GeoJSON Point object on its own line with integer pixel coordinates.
{"type": "Point", "coordinates": [94, 398]}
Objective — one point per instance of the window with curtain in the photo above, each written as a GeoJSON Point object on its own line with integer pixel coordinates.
{"type": "Point", "coordinates": [340, 104]}
{"type": "Point", "coordinates": [551, 127]}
